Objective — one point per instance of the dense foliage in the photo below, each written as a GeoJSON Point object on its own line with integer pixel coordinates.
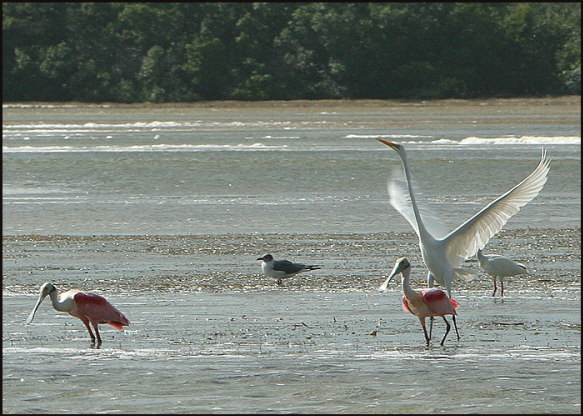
{"type": "Point", "coordinates": [171, 52]}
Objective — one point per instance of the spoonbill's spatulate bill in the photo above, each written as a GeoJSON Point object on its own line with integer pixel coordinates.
{"type": "Point", "coordinates": [499, 267]}
{"type": "Point", "coordinates": [423, 303]}
{"type": "Point", "coordinates": [444, 255]}
{"type": "Point", "coordinates": [88, 307]}
{"type": "Point", "coordinates": [283, 269]}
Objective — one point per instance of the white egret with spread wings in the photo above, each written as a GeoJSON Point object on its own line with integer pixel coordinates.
{"type": "Point", "coordinates": [444, 255]}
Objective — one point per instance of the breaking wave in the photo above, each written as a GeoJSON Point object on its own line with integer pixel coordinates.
{"type": "Point", "coordinates": [504, 140]}
{"type": "Point", "coordinates": [144, 148]}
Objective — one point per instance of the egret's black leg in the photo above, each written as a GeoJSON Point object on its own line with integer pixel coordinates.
{"type": "Point", "coordinates": [430, 283]}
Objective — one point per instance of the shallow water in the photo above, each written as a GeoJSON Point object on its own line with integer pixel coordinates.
{"type": "Point", "coordinates": [102, 170]}
{"type": "Point", "coordinates": [279, 351]}
{"type": "Point", "coordinates": [164, 211]}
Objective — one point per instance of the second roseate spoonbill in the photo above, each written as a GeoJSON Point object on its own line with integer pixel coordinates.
{"type": "Point", "coordinates": [444, 255]}
{"type": "Point", "coordinates": [423, 303]}
{"type": "Point", "coordinates": [282, 269]}
{"type": "Point", "coordinates": [88, 307]}
{"type": "Point", "coordinates": [499, 267]}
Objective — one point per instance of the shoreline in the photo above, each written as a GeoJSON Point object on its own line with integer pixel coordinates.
{"type": "Point", "coordinates": [338, 103]}
{"type": "Point", "coordinates": [112, 236]}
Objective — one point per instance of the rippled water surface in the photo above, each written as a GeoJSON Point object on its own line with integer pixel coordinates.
{"type": "Point", "coordinates": [163, 210]}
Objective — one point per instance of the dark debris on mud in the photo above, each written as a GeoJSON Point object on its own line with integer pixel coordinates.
{"type": "Point", "coordinates": [215, 263]}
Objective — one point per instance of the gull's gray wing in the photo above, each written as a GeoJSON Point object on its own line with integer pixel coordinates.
{"type": "Point", "coordinates": [287, 266]}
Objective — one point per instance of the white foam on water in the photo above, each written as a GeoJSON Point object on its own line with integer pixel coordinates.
{"type": "Point", "coordinates": [387, 136]}
{"type": "Point", "coordinates": [150, 125]}
{"type": "Point", "coordinates": [523, 140]}
{"type": "Point", "coordinates": [504, 140]}
{"type": "Point", "coordinates": [144, 148]}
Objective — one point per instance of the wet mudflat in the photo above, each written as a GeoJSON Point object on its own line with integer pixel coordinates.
{"type": "Point", "coordinates": [211, 334]}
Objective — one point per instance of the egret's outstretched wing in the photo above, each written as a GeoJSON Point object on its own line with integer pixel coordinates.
{"type": "Point", "coordinates": [400, 199]}
{"type": "Point", "coordinates": [464, 242]}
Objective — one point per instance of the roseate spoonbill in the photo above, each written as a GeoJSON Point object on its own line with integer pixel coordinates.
{"type": "Point", "coordinates": [444, 255]}
{"type": "Point", "coordinates": [88, 307]}
{"type": "Point", "coordinates": [282, 269]}
{"type": "Point", "coordinates": [499, 267]}
{"type": "Point", "coordinates": [423, 303]}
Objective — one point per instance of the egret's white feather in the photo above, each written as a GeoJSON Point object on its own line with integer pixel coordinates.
{"type": "Point", "coordinates": [464, 242]}
{"type": "Point", "coordinates": [400, 199]}
{"type": "Point", "coordinates": [463, 275]}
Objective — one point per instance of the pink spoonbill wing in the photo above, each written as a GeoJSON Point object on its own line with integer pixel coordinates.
{"type": "Point", "coordinates": [97, 309]}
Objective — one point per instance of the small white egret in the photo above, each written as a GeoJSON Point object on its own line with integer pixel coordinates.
{"type": "Point", "coordinates": [499, 267]}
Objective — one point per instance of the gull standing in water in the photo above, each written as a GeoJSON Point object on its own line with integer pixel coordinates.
{"type": "Point", "coordinates": [499, 267]}
{"type": "Point", "coordinates": [423, 303]}
{"type": "Point", "coordinates": [282, 269]}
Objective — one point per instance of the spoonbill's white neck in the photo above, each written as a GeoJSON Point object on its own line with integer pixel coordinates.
{"type": "Point", "coordinates": [62, 305]}
{"type": "Point", "coordinates": [405, 283]}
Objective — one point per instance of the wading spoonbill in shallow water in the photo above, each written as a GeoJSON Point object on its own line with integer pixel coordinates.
{"type": "Point", "coordinates": [88, 307]}
{"type": "Point", "coordinates": [282, 269]}
{"type": "Point", "coordinates": [444, 255]}
{"type": "Point", "coordinates": [499, 267]}
{"type": "Point", "coordinates": [423, 303]}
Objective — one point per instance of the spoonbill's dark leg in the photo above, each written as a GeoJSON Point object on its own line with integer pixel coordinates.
{"type": "Point", "coordinates": [90, 332]}
{"type": "Point", "coordinates": [455, 326]}
{"type": "Point", "coordinates": [97, 334]}
{"type": "Point", "coordinates": [502, 286]}
{"type": "Point", "coordinates": [495, 288]}
{"type": "Point", "coordinates": [448, 327]}
{"type": "Point", "coordinates": [430, 326]}
{"type": "Point", "coordinates": [279, 282]}
{"type": "Point", "coordinates": [424, 330]}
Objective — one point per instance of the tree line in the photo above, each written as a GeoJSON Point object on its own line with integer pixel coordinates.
{"type": "Point", "coordinates": [192, 51]}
